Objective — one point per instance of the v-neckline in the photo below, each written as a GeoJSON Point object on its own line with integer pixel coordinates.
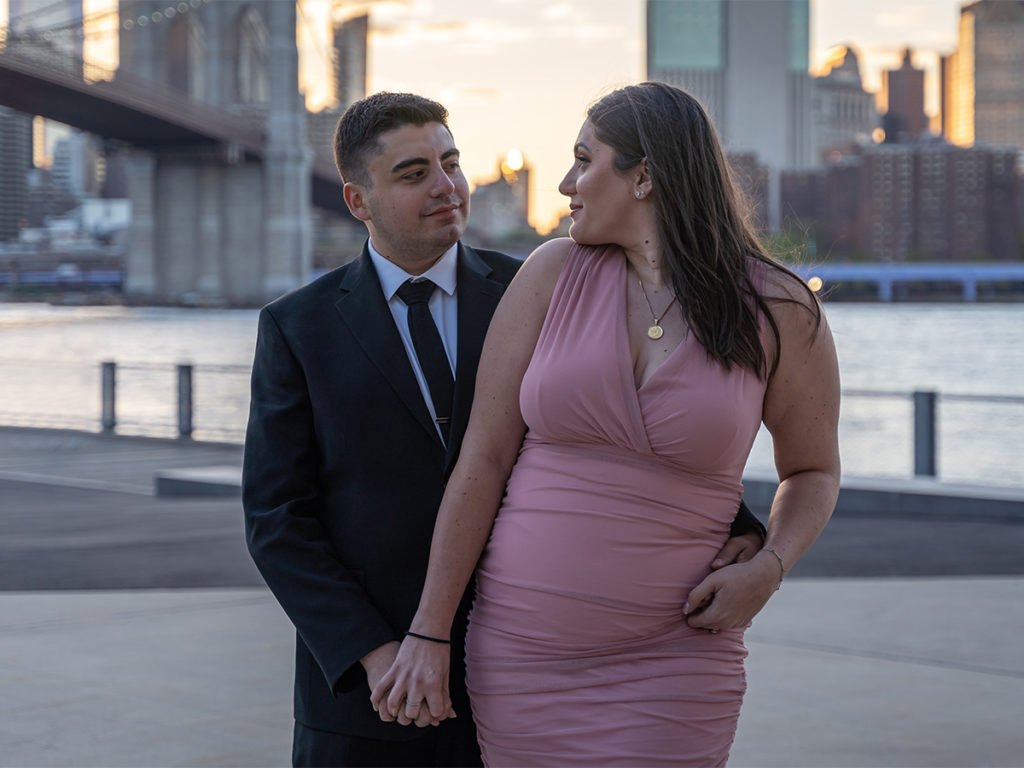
{"type": "Point", "coordinates": [624, 332]}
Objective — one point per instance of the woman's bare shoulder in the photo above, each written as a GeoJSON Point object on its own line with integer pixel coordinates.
{"type": "Point", "coordinates": [794, 307]}
{"type": "Point", "coordinates": [549, 256]}
{"type": "Point", "coordinates": [781, 283]}
{"type": "Point", "coordinates": [540, 271]}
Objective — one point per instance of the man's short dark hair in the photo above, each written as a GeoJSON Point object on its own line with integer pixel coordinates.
{"type": "Point", "coordinates": [355, 137]}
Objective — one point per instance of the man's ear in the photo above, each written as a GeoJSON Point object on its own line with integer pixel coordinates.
{"type": "Point", "coordinates": [356, 200]}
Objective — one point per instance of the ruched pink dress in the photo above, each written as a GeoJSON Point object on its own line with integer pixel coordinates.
{"type": "Point", "coordinates": [578, 654]}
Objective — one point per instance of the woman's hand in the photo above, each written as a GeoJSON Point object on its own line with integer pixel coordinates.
{"type": "Point", "coordinates": [415, 689]}
{"type": "Point", "coordinates": [730, 597]}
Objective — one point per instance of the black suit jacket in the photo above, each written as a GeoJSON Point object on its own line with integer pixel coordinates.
{"type": "Point", "coordinates": [343, 474]}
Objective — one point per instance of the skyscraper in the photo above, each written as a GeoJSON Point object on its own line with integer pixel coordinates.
{"type": "Point", "coordinates": [843, 114]}
{"type": "Point", "coordinates": [348, 64]}
{"type": "Point", "coordinates": [927, 200]}
{"type": "Point", "coordinates": [349, 57]}
{"type": "Point", "coordinates": [746, 61]}
{"type": "Point", "coordinates": [57, 27]}
{"type": "Point", "coordinates": [15, 161]}
{"type": "Point", "coordinates": [903, 92]}
{"type": "Point", "coordinates": [983, 80]}
{"type": "Point", "coordinates": [60, 20]}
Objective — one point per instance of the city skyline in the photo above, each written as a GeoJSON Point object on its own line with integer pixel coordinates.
{"type": "Point", "coordinates": [500, 51]}
{"type": "Point", "coordinates": [519, 74]}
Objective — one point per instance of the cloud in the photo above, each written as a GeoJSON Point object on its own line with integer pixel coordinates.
{"type": "Point", "coordinates": [557, 11]}
{"type": "Point", "coordinates": [446, 26]}
{"type": "Point", "coordinates": [476, 93]}
{"type": "Point", "coordinates": [479, 37]}
{"type": "Point", "coordinates": [909, 16]}
{"type": "Point", "coordinates": [466, 95]}
{"type": "Point", "coordinates": [585, 32]}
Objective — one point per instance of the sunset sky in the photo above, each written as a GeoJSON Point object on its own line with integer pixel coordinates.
{"type": "Point", "coordinates": [520, 73]}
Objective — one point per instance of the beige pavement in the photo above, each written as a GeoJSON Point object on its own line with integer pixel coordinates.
{"type": "Point", "coordinates": [842, 672]}
{"type": "Point", "coordinates": [916, 667]}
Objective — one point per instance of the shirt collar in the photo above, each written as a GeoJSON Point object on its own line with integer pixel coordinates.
{"type": "Point", "coordinates": [442, 272]}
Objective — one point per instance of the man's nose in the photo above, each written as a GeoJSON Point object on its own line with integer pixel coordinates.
{"type": "Point", "coordinates": [443, 183]}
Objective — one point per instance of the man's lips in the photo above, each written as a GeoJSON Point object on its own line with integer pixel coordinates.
{"type": "Point", "coordinates": [443, 210]}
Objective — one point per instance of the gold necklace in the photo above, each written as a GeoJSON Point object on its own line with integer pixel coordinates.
{"type": "Point", "coordinates": [654, 330]}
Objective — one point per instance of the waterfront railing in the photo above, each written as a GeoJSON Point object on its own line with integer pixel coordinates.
{"type": "Point", "coordinates": [184, 403]}
{"type": "Point", "coordinates": [205, 402]}
{"type": "Point", "coordinates": [210, 403]}
{"type": "Point", "coordinates": [925, 419]}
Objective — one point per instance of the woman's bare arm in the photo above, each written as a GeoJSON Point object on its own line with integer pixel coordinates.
{"type": "Point", "coordinates": [471, 499]}
{"type": "Point", "coordinates": [801, 410]}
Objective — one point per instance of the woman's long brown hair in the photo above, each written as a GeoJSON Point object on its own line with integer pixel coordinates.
{"type": "Point", "coordinates": [705, 238]}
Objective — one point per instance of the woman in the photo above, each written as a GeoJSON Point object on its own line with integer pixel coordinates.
{"type": "Point", "coordinates": [638, 359]}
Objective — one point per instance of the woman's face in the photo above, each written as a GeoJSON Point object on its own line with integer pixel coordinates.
{"type": "Point", "coordinates": [600, 197]}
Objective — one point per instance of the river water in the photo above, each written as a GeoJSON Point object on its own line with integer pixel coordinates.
{"type": "Point", "coordinates": [50, 376]}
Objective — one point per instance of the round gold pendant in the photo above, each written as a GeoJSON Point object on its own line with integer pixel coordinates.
{"type": "Point", "coordinates": [655, 332]}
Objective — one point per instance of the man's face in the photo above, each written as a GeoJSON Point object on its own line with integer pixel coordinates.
{"type": "Point", "coordinates": [416, 201]}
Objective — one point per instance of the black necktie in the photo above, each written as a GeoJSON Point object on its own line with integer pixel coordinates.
{"type": "Point", "coordinates": [429, 349]}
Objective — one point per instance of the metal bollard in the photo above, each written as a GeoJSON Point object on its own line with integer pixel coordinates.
{"type": "Point", "coordinates": [185, 401]}
{"type": "Point", "coordinates": [924, 433]}
{"type": "Point", "coordinates": [108, 395]}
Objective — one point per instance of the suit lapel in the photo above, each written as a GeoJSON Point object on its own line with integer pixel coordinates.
{"type": "Point", "coordinates": [478, 298]}
{"type": "Point", "coordinates": [363, 309]}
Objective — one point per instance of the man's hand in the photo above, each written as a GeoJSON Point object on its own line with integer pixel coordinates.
{"type": "Point", "coordinates": [379, 661]}
{"type": "Point", "coordinates": [738, 549]}
{"type": "Point", "coordinates": [415, 689]}
{"type": "Point", "coordinates": [730, 597]}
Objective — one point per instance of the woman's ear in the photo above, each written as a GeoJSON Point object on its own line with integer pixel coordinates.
{"type": "Point", "coordinates": [642, 180]}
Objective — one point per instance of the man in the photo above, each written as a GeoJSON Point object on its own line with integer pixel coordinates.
{"type": "Point", "coordinates": [351, 435]}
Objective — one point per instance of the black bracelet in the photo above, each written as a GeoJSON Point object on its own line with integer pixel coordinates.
{"type": "Point", "coordinates": [427, 637]}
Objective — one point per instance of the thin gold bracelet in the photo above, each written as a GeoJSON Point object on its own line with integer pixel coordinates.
{"type": "Point", "coordinates": [782, 565]}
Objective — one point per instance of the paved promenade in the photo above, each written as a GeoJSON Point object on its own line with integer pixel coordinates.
{"type": "Point", "coordinates": [134, 630]}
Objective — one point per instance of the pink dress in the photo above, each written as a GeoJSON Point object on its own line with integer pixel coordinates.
{"type": "Point", "coordinates": [577, 652]}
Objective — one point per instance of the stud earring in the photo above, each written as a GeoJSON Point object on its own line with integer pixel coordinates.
{"type": "Point", "coordinates": [639, 194]}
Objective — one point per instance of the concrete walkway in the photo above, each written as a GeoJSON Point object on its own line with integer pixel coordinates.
{"type": "Point", "coordinates": [841, 673]}
{"type": "Point", "coordinates": [134, 632]}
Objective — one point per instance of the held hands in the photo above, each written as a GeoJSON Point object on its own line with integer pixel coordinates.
{"type": "Point", "coordinates": [415, 688]}
{"type": "Point", "coordinates": [378, 661]}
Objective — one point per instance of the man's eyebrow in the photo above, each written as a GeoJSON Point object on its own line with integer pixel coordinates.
{"type": "Point", "coordinates": [401, 165]}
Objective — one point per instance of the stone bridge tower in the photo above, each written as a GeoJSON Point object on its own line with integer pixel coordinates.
{"type": "Point", "coordinates": [211, 225]}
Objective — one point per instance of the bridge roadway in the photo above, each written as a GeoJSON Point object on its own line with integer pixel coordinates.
{"type": "Point", "coordinates": [134, 630]}
{"type": "Point", "coordinates": [38, 80]}
{"type": "Point", "coordinates": [888, 274]}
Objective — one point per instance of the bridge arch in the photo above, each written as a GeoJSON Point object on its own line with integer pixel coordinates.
{"type": "Point", "coordinates": [186, 56]}
{"type": "Point", "coordinates": [251, 46]}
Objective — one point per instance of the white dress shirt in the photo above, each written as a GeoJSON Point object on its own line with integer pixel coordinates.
{"type": "Point", "coordinates": [443, 307]}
